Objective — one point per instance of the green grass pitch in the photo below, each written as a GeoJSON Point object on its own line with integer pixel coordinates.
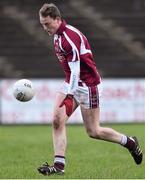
{"type": "Point", "coordinates": [24, 148]}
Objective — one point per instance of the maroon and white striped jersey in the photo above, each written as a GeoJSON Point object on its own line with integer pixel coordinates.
{"type": "Point", "coordinates": [74, 53]}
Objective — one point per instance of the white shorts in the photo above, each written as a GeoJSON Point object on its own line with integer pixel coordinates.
{"type": "Point", "coordinates": [88, 97]}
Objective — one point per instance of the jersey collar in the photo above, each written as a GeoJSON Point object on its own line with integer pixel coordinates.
{"type": "Point", "coordinates": [61, 28]}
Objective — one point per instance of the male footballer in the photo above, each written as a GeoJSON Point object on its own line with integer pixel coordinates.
{"type": "Point", "coordinates": [80, 88]}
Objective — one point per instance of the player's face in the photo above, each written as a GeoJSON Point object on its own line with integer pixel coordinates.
{"type": "Point", "coordinates": [50, 25]}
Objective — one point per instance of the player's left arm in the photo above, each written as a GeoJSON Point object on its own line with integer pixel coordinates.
{"type": "Point", "coordinates": [73, 58]}
{"type": "Point", "coordinates": [73, 84]}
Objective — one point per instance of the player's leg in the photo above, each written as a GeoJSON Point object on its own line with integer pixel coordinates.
{"type": "Point", "coordinates": [59, 137]}
{"type": "Point", "coordinates": [91, 121]}
{"type": "Point", "coordinates": [91, 115]}
{"type": "Point", "coordinates": [58, 126]}
{"type": "Point", "coordinates": [89, 103]}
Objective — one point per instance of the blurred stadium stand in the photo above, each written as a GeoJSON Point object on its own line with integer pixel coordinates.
{"type": "Point", "coordinates": [115, 30]}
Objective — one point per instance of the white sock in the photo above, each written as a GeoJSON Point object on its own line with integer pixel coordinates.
{"type": "Point", "coordinates": [123, 139]}
{"type": "Point", "coordinates": [60, 159]}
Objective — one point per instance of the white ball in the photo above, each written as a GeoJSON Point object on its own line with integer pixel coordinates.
{"type": "Point", "coordinates": [23, 90]}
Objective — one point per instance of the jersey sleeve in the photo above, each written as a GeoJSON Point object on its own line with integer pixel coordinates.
{"type": "Point", "coordinates": [74, 76]}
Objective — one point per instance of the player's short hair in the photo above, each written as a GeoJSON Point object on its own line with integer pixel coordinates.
{"type": "Point", "coordinates": [50, 10]}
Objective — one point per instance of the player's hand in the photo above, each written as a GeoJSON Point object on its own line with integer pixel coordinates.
{"type": "Point", "coordinates": [68, 102]}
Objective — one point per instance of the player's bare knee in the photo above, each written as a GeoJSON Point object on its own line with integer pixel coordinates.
{"type": "Point", "coordinates": [56, 122]}
{"type": "Point", "coordinates": [93, 133]}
